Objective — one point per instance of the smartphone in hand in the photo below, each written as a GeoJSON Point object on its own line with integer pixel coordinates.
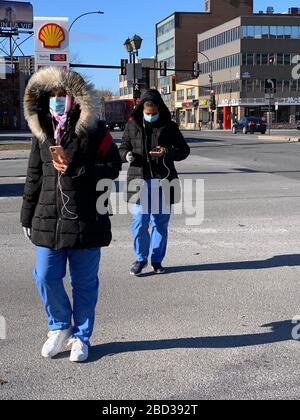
{"type": "Point", "coordinates": [58, 154]}
{"type": "Point", "coordinates": [59, 158]}
{"type": "Point", "coordinates": [158, 152]}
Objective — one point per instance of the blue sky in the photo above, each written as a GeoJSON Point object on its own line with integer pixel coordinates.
{"type": "Point", "coordinates": [99, 39]}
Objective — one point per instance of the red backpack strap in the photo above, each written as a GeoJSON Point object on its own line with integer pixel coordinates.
{"type": "Point", "coordinates": [105, 145]}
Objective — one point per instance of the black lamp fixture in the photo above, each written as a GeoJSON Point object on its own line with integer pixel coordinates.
{"type": "Point", "coordinates": [128, 46]}
{"type": "Point", "coordinates": [136, 42]}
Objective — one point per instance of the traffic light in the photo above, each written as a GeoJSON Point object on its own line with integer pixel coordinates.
{"type": "Point", "coordinates": [196, 69]}
{"type": "Point", "coordinates": [136, 91]}
{"type": "Point", "coordinates": [213, 103]}
{"type": "Point", "coordinates": [163, 69]}
{"type": "Point", "coordinates": [272, 59]}
{"type": "Point", "coordinates": [124, 64]}
{"type": "Point", "coordinates": [174, 83]}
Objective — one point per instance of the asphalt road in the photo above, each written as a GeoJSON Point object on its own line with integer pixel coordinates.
{"type": "Point", "coordinates": [217, 326]}
{"type": "Point", "coordinates": [26, 136]}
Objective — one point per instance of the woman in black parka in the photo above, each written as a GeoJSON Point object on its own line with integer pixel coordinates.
{"type": "Point", "coordinates": [152, 142]}
{"type": "Point", "coordinates": [59, 212]}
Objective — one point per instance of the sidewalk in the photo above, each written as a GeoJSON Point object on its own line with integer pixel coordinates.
{"type": "Point", "coordinates": [14, 154]}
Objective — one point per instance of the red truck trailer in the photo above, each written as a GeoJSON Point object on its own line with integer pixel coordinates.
{"type": "Point", "coordinates": [118, 113]}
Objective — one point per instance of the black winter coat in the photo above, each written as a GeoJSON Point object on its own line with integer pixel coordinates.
{"type": "Point", "coordinates": [43, 210]}
{"type": "Point", "coordinates": [165, 133]}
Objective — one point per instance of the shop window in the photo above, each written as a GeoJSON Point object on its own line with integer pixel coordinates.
{"type": "Point", "coordinates": [264, 59]}
{"type": "Point", "coordinates": [280, 60]}
{"type": "Point", "coordinates": [273, 32]}
{"type": "Point", "coordinates": [182, 118]}
{"type": "Point", "coordinates": [286, 85]}
{"type": "Point", "coordinates": [258, 32]}
{"type": "Point", "coordinates": [250, 59]}
{"type": "Point", "coordinates": [287, 59]}
{"type": "Point", "coordinates": [265, 32]}
{"type": "Point", "coordinates": [191, 93]}
{"type": "Point", "coordinates": [190, 116]}
{"type": "Point", "coordinates": [287, 32]}
{"type": "Point", "coordinates": [280, 32]}
{"type": "Point", "coordinates": [180, 95]}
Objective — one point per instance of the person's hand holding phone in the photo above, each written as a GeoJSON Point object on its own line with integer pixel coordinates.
{"type": "Point", "coordinates": [61, 165]}
{"type": "Point", "coordinates": [158, 152]}
{"type": "Point", "coordinates": [60, 161]}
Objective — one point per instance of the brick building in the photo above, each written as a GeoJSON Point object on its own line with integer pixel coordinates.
{"type": "Point", "coordinates": [176, 38]}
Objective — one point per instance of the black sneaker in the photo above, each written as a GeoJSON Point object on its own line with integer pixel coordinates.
{"type": "Point", "coordinates": [137, 268]}
{"type": "Point", "coordinates": [158, 268]}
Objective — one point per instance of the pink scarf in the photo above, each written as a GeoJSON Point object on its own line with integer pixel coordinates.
{"type": "Point", "coordinates": [61, 120]}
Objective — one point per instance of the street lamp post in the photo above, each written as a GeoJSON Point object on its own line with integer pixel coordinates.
{"type": "Point", "coordinates": [84, 14]}
{"type": "Point", "coordinates": [132, 46]}
{"type": "Point", "coordinates": [211, 86]}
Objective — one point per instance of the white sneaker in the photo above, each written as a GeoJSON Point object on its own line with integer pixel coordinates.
{"type": "Point", "coordinates": [55, 343]}
{"type": "Point", "coordinates": [79, 350]}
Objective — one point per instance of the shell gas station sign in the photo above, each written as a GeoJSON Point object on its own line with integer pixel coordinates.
{"type": "Point", "coordinates": [51, 42]}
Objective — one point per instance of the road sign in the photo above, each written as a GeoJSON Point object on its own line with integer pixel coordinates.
{"type": "Point", "coordinates": [270, 85]}
{"type": "Point", "coordinates": [134, 71]}
{"type": "Point", "coordinates": [51, 42]}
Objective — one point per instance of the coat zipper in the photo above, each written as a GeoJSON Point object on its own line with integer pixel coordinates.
{"type": "Point", "coordinates": [147, 151]}
{"type": "Point", "coordinates": [58, 223]}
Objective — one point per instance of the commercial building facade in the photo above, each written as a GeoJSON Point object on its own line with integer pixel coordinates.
{"type": "Point", "coordinates": [243, 54]}
{"type": "Point", "coordinates": [187, 104]}
{"type": "Point", "coordinates": [176, 39]}
{"type": "Point", "coordinates": [13, 82]}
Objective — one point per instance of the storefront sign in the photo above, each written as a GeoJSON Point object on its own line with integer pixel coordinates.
{"type": "Point", "coordinates": [187, 104]}
{"type": "Point", "coordinates": [258, 102]}
{"type": "Point", "coordinates": [246, 75]}
{"type": "Point", "coordinates": [230, 102]}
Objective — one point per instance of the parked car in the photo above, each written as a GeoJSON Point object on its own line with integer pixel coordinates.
{"type": "Point", "coordinates": [250, 125]}
{"type": "Point", "coordinates": [298, 124]}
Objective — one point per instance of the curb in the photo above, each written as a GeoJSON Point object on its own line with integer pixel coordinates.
{"type": "Point", "coordinates": [280, 138]}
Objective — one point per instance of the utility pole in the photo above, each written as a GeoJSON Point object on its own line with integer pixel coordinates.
{"type": "Point", "coordinates": [270, 90]}
{"type": "Point", "coordinates": [211, 82]}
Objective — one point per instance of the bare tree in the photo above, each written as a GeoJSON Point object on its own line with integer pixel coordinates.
{"type": "Point", "coordinates": [105, 93]}
{"type": "Point", "coordinates": [75, 58]}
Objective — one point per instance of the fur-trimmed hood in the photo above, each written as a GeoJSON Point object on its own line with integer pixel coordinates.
{"type": "Point", "coordinates": [36, 99]}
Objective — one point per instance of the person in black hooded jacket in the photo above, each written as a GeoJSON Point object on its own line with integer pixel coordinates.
{"type": "Point", "coordinates": [59, 213]}
{"type": "Point", "coordinates": [152, 142]}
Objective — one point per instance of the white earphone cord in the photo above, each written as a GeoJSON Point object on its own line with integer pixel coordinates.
{"type": "Point", "coordinates": [65, 211]}
{"type": "Point", "coordinates": [167, 168]}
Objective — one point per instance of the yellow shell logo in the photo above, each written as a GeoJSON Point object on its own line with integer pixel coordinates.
{"type": "Point", "coordinates": [52, 35]}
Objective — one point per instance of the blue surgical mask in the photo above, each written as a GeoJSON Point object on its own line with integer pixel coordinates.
{"type": "Point", "coordinates": [151, 118]}
{"type": "Point", "coordinates": [58, 105]}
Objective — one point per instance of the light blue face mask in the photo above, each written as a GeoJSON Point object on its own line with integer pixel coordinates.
{"type": "Point", "coordinates": [58, 105]}
{"type": "Point", "coordinates": [151, 118]}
